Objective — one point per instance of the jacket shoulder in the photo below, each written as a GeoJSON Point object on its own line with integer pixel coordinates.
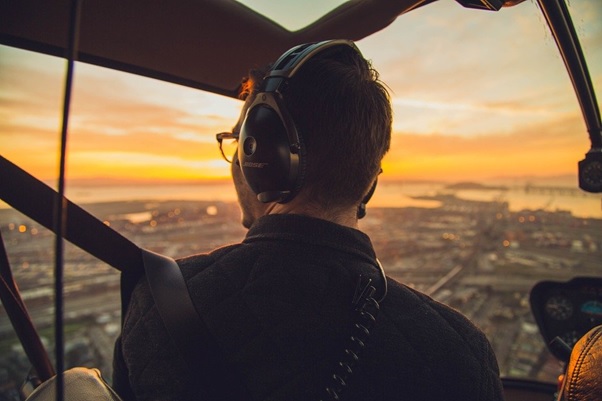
{"type": "Point", "coordinates": [438, 345]}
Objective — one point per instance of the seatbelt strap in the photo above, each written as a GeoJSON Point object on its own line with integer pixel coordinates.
{"type": "Point", "coordinates": [173, 302]}
{"type": "Point", "coordinates": [197, 346]}
{"type": "Point", "coordinates": [35, 199]}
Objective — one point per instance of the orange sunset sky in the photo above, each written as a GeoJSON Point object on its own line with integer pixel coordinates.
{"type": "Point", "coordinates": [476, 95]}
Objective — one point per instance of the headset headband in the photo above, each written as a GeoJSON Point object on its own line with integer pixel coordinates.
{"type": "Point", "coordinates": [288, 64]}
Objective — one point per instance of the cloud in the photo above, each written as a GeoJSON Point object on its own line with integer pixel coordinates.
{"type": "Point", "coordinates": [493, 58]}
{"type": "Point", "coordinates": [475, 94]}
{"type": "Point", "coordinates": [551, 148]}
{"type": "Point", "coordinates": [111, 112]}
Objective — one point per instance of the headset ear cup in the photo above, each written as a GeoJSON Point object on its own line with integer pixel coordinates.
{"type": "Point", "coordinates": [266, 160]}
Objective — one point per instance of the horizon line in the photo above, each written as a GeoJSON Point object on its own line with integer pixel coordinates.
{"type": "Point", "coordinates": [111, 181]}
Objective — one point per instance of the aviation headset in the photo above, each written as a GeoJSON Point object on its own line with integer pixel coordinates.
{"type": "Point", "coordinates": [271, 152]}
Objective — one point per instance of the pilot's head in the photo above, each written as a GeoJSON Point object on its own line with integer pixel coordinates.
{"type": "Point", "coordinates": [333, 113]}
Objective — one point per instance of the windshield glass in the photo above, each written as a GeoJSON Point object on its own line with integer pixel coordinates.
{"type": "Point", "coordinates": [492, 200]}
{"type": "Point", "coordinates": [478, 200]}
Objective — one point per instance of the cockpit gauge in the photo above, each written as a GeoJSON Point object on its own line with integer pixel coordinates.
{"type": "Point", "coordinates": [566, 310]}
{"type": "Point", "coordinates": [593, 310]}
{"type": "Point", "coordinates": [559, 308]}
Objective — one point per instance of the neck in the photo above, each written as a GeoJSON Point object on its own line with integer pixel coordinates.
{"type": "Point", "coordinates": [345, 217]}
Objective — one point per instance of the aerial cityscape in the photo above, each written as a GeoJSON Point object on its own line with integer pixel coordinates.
{"type": "Point", "coordinates": [478, 257]}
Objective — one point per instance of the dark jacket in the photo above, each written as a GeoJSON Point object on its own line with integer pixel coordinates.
{"type": "Point", "coordinates": [279, 308]}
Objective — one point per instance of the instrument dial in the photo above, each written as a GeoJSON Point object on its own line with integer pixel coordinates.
{"type": "Point", "coordinates": [559, 308]}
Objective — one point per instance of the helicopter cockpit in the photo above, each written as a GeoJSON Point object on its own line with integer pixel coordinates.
{"type": "Point", "coordinates": [489, 201]}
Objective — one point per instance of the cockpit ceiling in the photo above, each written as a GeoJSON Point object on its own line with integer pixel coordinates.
{"type": "Point", "coordinates": [208, 44]}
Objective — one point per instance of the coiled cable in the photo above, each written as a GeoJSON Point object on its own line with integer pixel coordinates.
{"type": "Point", "coordinates": [366, 310]}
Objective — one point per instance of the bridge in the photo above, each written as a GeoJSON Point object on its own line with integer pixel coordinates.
{"type": "Point", "coordinates": [554, 190]}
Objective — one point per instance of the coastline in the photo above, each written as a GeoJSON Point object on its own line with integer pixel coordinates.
{"type": "Point", "coordinates": [390, 194]}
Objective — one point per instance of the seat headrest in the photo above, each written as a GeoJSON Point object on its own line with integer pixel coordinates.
{"type": "Point", "coordinates": [583, 376]}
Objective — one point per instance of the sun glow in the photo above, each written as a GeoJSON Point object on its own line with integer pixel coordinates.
{"type": "Point", "coordinates": [469, 108]}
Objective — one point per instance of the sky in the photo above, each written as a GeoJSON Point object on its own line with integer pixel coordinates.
{"type": "Point", "coordinates": [477, 96]}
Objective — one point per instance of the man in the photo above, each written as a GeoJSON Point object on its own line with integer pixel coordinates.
{"type": "Point", "coordinates": [301, 310]}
